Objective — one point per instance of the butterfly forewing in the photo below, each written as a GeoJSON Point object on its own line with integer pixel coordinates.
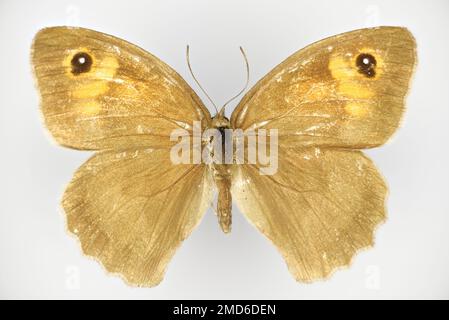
{"type": "Point", "coordinates": [345, 91]}
{"type": "Point", "coordinates": [101, 92]}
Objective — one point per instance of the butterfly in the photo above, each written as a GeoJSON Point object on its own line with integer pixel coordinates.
{"type": "Point", "coordinates": [131, 207]}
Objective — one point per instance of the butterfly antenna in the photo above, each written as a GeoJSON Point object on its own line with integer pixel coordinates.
{"type": "Point", "coordinates": [246, 84]}
{"type": "Point", "coordinates": [196, 80]}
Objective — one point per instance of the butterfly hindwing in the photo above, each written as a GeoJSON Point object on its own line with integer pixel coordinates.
{"type": "Point", "coordinates": [132, 209]}
{"type": "Point", "coordinates": [319, 209]}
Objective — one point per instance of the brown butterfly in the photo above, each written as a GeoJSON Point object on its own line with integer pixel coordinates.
{"type": "Point", "coordinates": [131, 207]}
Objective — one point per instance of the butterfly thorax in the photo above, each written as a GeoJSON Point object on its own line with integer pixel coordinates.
{"type": "Point", "coordinates": [222, 177]}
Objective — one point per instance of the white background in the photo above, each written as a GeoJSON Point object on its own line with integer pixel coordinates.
{"type": "Point", "coordinates": [38, 259]}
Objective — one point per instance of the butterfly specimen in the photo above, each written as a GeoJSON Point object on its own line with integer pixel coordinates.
{"type": "Point", "coordinates": [131, 206]}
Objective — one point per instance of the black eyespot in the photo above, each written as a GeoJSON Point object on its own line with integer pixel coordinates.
{"type": "Point", "coordinates": [366, 64]}
{"type": "Point", "coordinates": [81, 62]}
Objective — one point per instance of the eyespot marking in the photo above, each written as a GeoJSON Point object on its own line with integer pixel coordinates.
{"type": "Point", "coordinates": [366, 64]}
{"type": "Point", "coordinates": [81, 63]}
{"type": "Point", "coordinates": [343, 71]}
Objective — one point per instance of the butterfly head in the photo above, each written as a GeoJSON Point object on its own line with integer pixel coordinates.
{"type": "Point", "coordinates": [220, 120]}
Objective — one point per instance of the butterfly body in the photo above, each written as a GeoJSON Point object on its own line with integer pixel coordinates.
{"type": "Point", "coordinates": [131, 205]}
{"type": "Point", "coordinates": [223, 177]}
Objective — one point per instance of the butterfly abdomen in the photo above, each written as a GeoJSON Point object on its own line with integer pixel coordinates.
{"type": "Point", "coordinates": [222, 179]}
